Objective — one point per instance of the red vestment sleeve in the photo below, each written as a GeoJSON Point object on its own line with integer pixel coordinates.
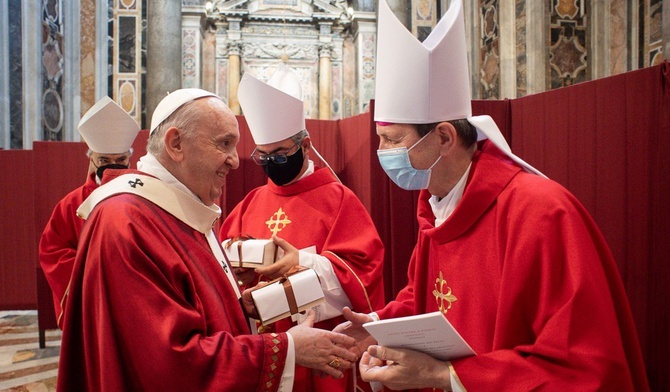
{"type": "Point", "coordinates": [58, 243]}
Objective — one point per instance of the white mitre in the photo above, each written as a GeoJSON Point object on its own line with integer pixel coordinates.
{"type": "Point", "coordinates": [423, 83]}
{"type": "Point", "coordinates": [107, 128]}
{"type": "Point", "coordinates": [174, 101]}
{"type": "Point", "coordinates": [274, 110]}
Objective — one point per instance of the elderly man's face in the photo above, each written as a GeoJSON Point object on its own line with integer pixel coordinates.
{"type": "Point", "coordinates": [212, 152]}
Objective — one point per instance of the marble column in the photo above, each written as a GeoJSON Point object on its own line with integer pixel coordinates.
{"type": "Point", "coordinates": [208, 78]}
{"type": "Point", "coordinates": [507, 17]}
{"type": "Point", "coordinates": [600, 39]}
{"type": "Point", "coordinates": [191, 47]}
{"type": "Point", "coordinates": [234, 76]}
{"type": "Point", "coordinates": [5, 139]}
{"type": "Point", "coordinates": [324, 81]}
{"type": "Point", "coordinates": [365, 40]}
{"type": "Point", "coordinates": [72, 70]}
{"type": "Point", "coordinates": [163, 48]}
{"type": "Point", "coordinates": [31, 27]}
{"type": "Point", "coordinates": [537, 55]}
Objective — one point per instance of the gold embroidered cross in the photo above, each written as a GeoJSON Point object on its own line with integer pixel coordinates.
{"type": "Point", "coordinates": [278, 221]}
{"type": "Point", "coordinates": [441, 297]}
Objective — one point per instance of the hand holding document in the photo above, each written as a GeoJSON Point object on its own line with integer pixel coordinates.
{"type": "Point", "coordinates": [430, 333]}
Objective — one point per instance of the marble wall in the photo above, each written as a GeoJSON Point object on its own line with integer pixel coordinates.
{"type": "Point", "coordinates": [87, 20]}
{"type": "Point", "coordinates": [15, 75]}
{"type": "Point", "coordinates": [520, 45]}
{"type": "Point", "coordinates": [653, 51]}
{"type": "Point", "coordinates": [489, 50]}
{"type": "Point", "coordinates": [126, 86]}
{"type": "Point", "coordinates": [568, 44]}
{"type": "Point", "coordinates": [52, 70]}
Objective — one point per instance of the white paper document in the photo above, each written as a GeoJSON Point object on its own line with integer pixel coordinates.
{"type": "Point", "coordinates": [429, 333]}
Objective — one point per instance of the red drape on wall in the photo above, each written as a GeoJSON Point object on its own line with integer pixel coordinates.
{"type": "Point", "coordinates": [17, 230]}
{"type": "Point", "coordinates": [607, 142]}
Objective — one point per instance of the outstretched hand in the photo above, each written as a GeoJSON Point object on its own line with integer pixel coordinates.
{"type": "Point", "coordinates": [322, 350]}
{"type": "Point", "coordinates": [282, 266]}
{"type": "Point", "coordinates": [400, 369]}
{"type": "Point", "coordinates": [353, 327]}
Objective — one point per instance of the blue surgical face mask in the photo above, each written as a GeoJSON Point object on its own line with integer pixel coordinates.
{"type": "Point", "coordinates": [396, 164]}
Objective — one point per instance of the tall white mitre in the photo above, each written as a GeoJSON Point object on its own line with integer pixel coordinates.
{"type": "Point", "coordinates": [423, 83]}
{"type": "Point", "coordinates": [274, 110]}
{"type": "Point", "coordinates": [107, 128]}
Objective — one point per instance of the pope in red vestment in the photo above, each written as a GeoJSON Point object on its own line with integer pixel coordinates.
{"type": "Point", "coordinates": [150, 309]}
{"type": "Point", "coordinates": [523, 273]}
{"type": "Point", "coordinates": [58, 243]}
{"type": "Point", "coordinates": [318, 211]}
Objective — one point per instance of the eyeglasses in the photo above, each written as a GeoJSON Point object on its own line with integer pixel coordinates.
{"type": "Point", "coordinates": [279, 158]}
{"type": "Point", "coordinates": [114, 159]}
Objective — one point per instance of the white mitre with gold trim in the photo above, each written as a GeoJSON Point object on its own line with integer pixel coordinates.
{"type": "Point", "coordinates": [274, 110]}
{"type": "Point", "coordinates": [107, 128]}
{"type": "Point", "coordinates": [423, 83]}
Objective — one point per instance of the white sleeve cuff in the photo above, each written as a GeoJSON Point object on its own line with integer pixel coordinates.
{"type": "Point", "coordinates": [287, 377]}
{"type": "Point", "coordinates": [336, 298]}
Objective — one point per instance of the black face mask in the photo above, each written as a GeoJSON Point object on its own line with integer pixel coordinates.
{"type": "Point", "coordinates": [284, 173]}
{"type": "Point", "coordinates": [102, 169]}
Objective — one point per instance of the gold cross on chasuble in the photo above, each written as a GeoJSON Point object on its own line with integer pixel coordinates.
{"type": "Point", "coordinates": [441, 296]}
{"type": "Point", "coordinates": [277, 221]}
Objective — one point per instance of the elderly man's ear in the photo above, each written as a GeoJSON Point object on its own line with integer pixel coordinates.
{"type": "Point", "coordinates": [174, 144]}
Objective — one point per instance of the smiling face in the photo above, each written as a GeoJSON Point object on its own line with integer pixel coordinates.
{"type": "Point", "coordinates": [208, 151]}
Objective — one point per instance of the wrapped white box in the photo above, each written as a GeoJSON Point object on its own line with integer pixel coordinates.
{"type": "Point", "coordinates": [251, 253]}
{"type": "Point", "coordinates": [286, 296]}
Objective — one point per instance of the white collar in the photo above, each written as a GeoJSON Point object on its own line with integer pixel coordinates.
{"type": "Point", "coordinates": [442, 209]}
{"type": "Point", "coordinates": [310, 170]}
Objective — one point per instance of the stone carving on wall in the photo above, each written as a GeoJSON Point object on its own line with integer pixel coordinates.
{"type": "Point", "coordinates": [265, 32]}
{"type": "Point", "coordinates": [567, 51]}
{"type": "Point", "coordinates": [52, 67]}
{"type": "Point", "coordinates": [521, 70]}
{"type": "Point", "coordinates": [655, 41]}
{"type": "Point", "coordinates": [269, 50]}
{"type": "Point", "coordinates": [126, 56]}
{"type": "Point", "coordinates": [489, 51]}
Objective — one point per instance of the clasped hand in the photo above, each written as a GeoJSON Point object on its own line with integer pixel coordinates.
{"type": "Point", "coordinates": [323, 351]}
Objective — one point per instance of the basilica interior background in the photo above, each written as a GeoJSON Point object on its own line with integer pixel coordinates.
{"type": "Point", "coordinates": [59, 57]}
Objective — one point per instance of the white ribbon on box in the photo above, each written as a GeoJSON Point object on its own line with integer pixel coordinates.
{"type": "Point", "coordinates": [251, 253]}
{"type": "Point", "coordinates": [299, 291]}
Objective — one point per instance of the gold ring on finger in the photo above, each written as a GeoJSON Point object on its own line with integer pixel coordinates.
{"type": "Point", "coordinates": [335, 363]}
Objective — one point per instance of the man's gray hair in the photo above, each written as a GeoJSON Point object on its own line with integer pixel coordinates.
{"type": "Point", "coordinates": [183, 118]}
{"type": "Point", "coordinates": [300, 136]}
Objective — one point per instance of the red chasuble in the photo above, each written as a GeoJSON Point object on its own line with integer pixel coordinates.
{"type": "Point", "coordinates": [319, 211]}
{"type": "Point", "coordinates": [525, 276]}
{"type": "Point", "coordinates": [150, 309]}
{"type": "Point", "coordinates": [58, 244]}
